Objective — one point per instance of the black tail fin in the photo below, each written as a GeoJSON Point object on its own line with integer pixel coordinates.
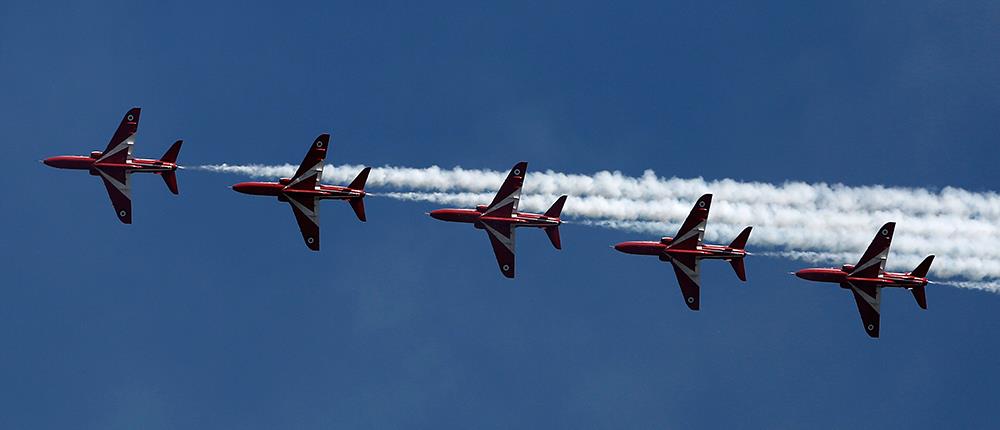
{"type": "Point", "coordinates": [556, 209]}
{"type": "Point", "coordinates": [171, 155]}
{"type": "Point", "coordinates": [359, 182]}
{"type": "Point", "coordinates": [358, 204]}
{"type": "Point", "coordinates": [170, 178]}
{"type": "Point", "coordinates": [923, 267]}
{"type": "Point", "coordinates": [920, 295]}
{"type": "Point", "coordinates": [741, 240]}
{"type": "Point", "coordinates": [553, 233]}
{"type": "Point", "coordinates": [741, 270]}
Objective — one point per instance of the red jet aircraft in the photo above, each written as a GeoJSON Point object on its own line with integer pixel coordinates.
{"type": "Point", "coordinates": [304, 191]}
{"type": "Point", "coordinates": [867, 278]}
{"type": "Point", "coordinates": [115, 164]}
{"type": "Point", "coordinates": [501, 217]}
{"type": "Point", "coordinates": [685, 250]}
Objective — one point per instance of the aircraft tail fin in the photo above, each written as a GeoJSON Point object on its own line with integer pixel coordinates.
{"type": "Point", "coordinates": [923, 267]}
{"type": "Point", "coordinates": [170, 178]}
{"type": "Point", "coordinates": [171, 155]}
{"type": "Point", "coordinates": [739, 268]}
{"type": "Point", "coordinates": [359, 182]}
{"type": "Point", "coordinates": [741, 240]}
{"type": "Point", "coordinates": [553, 233]}
{"type": "Point", "coordinates": [920, 295]}
{"type": "Point", "coordinates": [556, 209]}
{"type": "Point", "coordinates": [358, 204]}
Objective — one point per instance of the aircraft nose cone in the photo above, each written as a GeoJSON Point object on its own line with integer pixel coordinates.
{"type": "Point", "coordinates": [635, 248]}
{"type": "Point", "coordinates": [51, 162]}
{"type": "Point", "coordinates": [437, 214]}
{"type": "Point", "coordinates": [241, 188]}
{"type": "Point", "coordinates": [808, 274]}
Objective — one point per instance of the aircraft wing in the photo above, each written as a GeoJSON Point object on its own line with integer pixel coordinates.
{"type": "Point", "coordinates": [505, 202]}
{"type": "Point", "coordinates": [306, 212]}
{"type": "Point", "coordinates": [502, 238]}
{"type": "Point", "coordinates": [693, 230]}
{"type": "Point", "coordinates": [868, 299]}
{"type": "Point", "coordinates": [116, 180]}
{"type": "Point", "coordinates": [872, 263]}
{"type": "Point", "coordinates": [119, 148]}
{"type": "Point", "coordinates": [311, 170]}
{"type": "Point", "coordinates": [686, 268]}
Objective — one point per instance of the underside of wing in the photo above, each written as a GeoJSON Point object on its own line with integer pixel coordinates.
{"type": "Point", "coordinates": [116, 180]}
{"type": "Point", "coordinates": [872, 263]}
{"type": "Point", "coordinates": [119, 148]}
{"type": "Point", "coordinates": [505, 202]}
{"type": "Point", "coordinates": [307, 216]}
{"type": "Point", "coordinates": [692, 232]}
{"type": "Point", "coordinates": [868, 299]}
{"type": "Point", "coordinates": [502, 238]}
{"type": "Point", "coordinates": [689, 278]}
{"type": "Point", "coordinates": [310, 172]}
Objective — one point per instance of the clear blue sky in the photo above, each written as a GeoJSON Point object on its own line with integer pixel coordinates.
{"type": "Point", "coordinates": [209, 312]}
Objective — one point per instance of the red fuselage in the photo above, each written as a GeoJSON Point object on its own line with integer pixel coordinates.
{"type": "Point", "coordinates": [77, 162]}
{"type": "Point", "coordinates": [660, 249]}
{"type": "Point", "coordinates": [842, 275]}
{"type": "Point", "coordinates": [475, 217]}
{"type": "Point", "coordinates": [278, 189]}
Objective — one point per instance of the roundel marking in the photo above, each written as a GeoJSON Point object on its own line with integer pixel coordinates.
{"type": "Point", "coordinates": [130, 117]}
{"type": "Point", "coordinates": [690, 299]}
{"type": "Point", "coordinates": [319, 143]}
{"type": "Point", "coordinates": [517, 171]}
{"type": "Point", "coordinates": [310, 240]}
{"type": "Point", "coordinates": [122, 213]}
{"type": "Point", "coordinates": [871, 327]}
{"type": "Point", "coordinates": [701, 204]}
{"type": "Point", "coordinates": [506, 267]}
{"type": "Point", "coordinates": [885, 232]}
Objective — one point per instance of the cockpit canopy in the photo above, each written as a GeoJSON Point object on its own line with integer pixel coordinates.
{"type": "Point", "coordinates": [96, 154]}
{"type": "Point", "coordinates": [284, 181]}
{"type": "Point", "coordinates": [847, 268]}
{"type": "Point", "coordinates": [480, 208]}
{"type": "Point", "coordinates": [666, 240]}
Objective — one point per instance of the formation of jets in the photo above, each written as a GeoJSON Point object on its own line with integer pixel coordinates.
{"type": "Point", "coordinates": [500, 218]}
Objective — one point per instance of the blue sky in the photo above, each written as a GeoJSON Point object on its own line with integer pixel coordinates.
{"type": "Point", "coordinates": [209, 312]}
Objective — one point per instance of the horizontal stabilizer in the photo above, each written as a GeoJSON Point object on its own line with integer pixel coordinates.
{"type": "Point", "coordinates": [359, 182]}
{"type": "Point", "coordinates": [170, 178]}
{"type": "Point", "coordinates": [920, 295]}
{"type": "Point", "coordinates": [556, 209]}
{"type": "Point", "coordinates": [358, 204]}
{"type": "Point", "coordinates": [171, 155]}
{"type": "Point", "coordinates": [741, 271]}
{"type": "Point", "coordinates": [923, 267]}
{"type": "Point", "coordinates": [741, 241]}
{"type": "Point", "coordinates": [553, 233]}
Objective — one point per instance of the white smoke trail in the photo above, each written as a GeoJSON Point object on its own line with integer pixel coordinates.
{"type": "Point", "coordinates": [829, 223]}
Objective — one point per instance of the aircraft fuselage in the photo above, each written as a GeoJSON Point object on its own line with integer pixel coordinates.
{"type": "Point", "coordinates": [660, 249]}
{"type": "Point", "coordinates": [842, 276]}
{"type": "Point", "coordinates": [475, 217]}
{"type": "Point", "coordinates": [279, 189]}
{"type": "Point", "coordinates": [77, 162]}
